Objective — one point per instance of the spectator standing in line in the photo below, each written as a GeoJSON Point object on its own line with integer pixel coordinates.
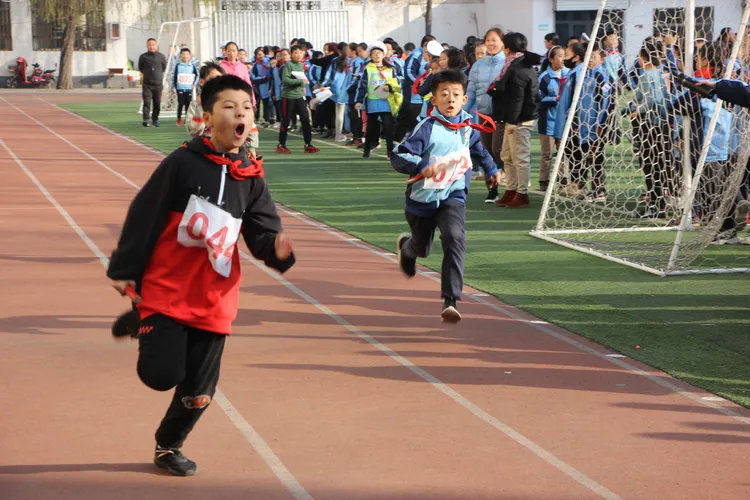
{"type": "Point", "coordinates": [152, 65]}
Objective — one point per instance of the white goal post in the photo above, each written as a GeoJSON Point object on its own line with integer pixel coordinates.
{"type": "Point", "coordinates": [664, 163]}
{"type": "Point", "coordinates": [172, 37]}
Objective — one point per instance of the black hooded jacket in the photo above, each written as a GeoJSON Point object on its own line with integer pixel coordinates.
{"type": "Point", "coordinates": [515, 97]}
{"type": "Point", "coordinates": [179, 239]}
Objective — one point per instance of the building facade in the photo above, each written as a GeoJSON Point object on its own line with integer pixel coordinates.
{"type": "Point", "coordinates": [113, 36]}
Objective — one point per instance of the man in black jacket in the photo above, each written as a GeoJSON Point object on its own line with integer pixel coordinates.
{"type": "Point", "coordinates": [515, 99]}
{"type": "Point", "coordinates": [152, 65]}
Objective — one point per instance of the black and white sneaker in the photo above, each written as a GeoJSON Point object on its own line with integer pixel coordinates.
{"type": "Point", "coordinates": [173, 461]}
{"type": "Point", "coordinates": [450, 312]}
{"type": "Point", "coordinates": [408, 266]}
{"type": "Point", "coordinates": [492, 196]}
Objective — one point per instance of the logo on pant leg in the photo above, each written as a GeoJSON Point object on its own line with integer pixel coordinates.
{"type": "Point", "coordinates": [196, 402]}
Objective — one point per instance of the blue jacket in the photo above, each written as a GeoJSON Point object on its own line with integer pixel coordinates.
{"type": "Point", "coordinates": [338, 83]}
{"type": "Point", "coordinates": [733, 91]}
{"type": "Point", "coordinates": [566, 100]}
{"type": "Point", "coordinates": [481, 76]}
{"type": "Point", "coordinates": [414, 66]}
{"type": "Point", "coordinates": [355, 72]}
{"type": "Point", "coordinates": [651, 97]}
{"type": "Point", "coordinates": [189, 73]}
{"type": "Point", "coordinates": [614, 64]}
{"type": "Point", "coordinates": [549, 92]}
{"type": "Point", "coordinates": [260, 75]}
{"type": "Point", "coordinates": [432, 143]}
{"type": "Point", "coordinates": [596, 104]}
{"type": "Point", "coordinates": [276, 81]}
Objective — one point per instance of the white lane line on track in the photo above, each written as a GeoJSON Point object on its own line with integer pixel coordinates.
{"type": "Point", "coordinates": [540, 327]}
{"type": "Point", "coordinates": [252, 436]}
{"type": "Point", "coordinates": [537, 450]}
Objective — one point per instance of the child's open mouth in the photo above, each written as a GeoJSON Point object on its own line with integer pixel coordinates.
{"type": "Point", "coordinates": [239, 130]}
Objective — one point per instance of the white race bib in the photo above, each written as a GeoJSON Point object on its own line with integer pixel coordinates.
{"type": "Point", "coordinates": [450, 168]}
{"type": "Point", "coordinates": [185, 78]}
{"type": "Point", "coordinates": [205, 225]}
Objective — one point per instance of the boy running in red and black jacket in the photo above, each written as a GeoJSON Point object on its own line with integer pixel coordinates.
{"type": "Point", "coordinates": [178, 250]}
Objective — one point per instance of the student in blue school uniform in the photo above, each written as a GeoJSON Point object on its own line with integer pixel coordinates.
{"type": "Point", "coordinates": [438, 157]}
{"type": "Point", "coordinates": [260, 75]}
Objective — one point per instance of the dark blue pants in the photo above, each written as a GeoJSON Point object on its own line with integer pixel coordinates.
{"type": "Point", "coordinates": [449, 218]}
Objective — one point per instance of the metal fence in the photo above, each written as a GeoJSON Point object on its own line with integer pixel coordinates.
{"type": "Point", "coordinates": [251, 28]}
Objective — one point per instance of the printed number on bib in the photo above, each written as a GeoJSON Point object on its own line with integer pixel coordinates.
{"type": "Point", "coordinates": [185, 78]}
{"type": "Point", "coordinates": [205, 225]}
{"type": "Point", "coordinates": [450, 168]}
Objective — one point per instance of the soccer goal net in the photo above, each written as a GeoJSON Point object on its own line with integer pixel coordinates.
{"type": "Point", "coordinates": [650, 171]}
{"type": "Point", "coordinates": [172, 38]}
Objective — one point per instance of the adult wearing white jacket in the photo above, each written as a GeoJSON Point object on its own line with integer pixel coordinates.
{"type": "Point", "coordinates": [481, 76]}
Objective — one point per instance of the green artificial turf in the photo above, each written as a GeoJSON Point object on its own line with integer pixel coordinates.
{"type": "Point", "coordinates": [696, 328]}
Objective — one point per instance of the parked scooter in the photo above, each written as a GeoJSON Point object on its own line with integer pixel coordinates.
{"type": "Point", "coordinates": [39, 78]}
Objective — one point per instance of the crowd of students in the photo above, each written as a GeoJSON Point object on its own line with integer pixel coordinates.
{"type": "Point", "coordinates": [359, 93]}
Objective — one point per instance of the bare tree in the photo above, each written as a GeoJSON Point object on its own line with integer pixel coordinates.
{"type": "Point", "coordinates": [428, 18]}
{"type": "Point", "coordinates": [71, 16]}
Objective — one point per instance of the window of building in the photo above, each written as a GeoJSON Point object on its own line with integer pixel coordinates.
{"type": "Point", "coordinates": [575, 22]}
{"type": "Point", "coordinates": [673, 21]}
{"type": "Point", "coordinates": [90, 35]}
{"type": "Point", "coordinates": [6, 38]}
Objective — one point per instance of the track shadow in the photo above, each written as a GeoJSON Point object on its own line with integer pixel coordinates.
{"type": "Point", "coordinates": [36, 324]}
{"type": "Point", "coordinates": [698, 437]}
{"type": "Point", "coordinates": [143, 468]}
{"type": "Point", "coordinates": [547, 378]}
{"type": "Point", "coordinates": [668, 407]}
{"type": "Point", "coordinates": [49, 260]}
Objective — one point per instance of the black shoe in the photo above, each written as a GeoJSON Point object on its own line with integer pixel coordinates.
{"type": "Point", "coordinates": [173, 461]}
{"type": "Point", "coordinates": [408, 266]}
{"type": "Point", "coordinates": [366, 154]}
{"type": "Point", "coordinates": [156, 123]}
{"type": "Point", "coordinates": [146, 123]}
{"type": "Point", "coordinates": [492, 196]}
{"type": "Point", "coordinates": [450, 312]}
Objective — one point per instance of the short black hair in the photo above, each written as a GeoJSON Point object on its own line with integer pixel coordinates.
{"type": "Point", "coordinates": [232, 43]}
{"type": "Point", "coordinates": [184, 49]}
{"type": "Point", "coordinates": [448, 76]}
{"type": "Point", "coordinates": [208, 67]}
{"type": "Point", "coordinates": [298, 47]}
{"type": "Point", "coordinates": [426, 39]}
{"type": "Point", "coordinates": [150, 39]}
{"type": "Point", "coordinates": [212, 89]}
{"type": "Point", "coordinates": [553, 38]}
{"type": "Point", "coordinates": [409, 46]}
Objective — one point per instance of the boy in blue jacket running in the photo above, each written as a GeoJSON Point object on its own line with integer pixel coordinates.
{"type": "Point", "coordinates": [438, 156]}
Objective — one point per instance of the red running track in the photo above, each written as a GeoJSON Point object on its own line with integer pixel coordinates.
{"type": "Point", "coordinates": [331, 386]}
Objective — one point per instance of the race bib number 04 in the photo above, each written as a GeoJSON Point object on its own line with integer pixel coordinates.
{"type": "Point", "coordinates": [450, 168]}
{"type": "Point", "coordinates": [205, 225]}
{"type": "Point", "coordinates": [185, 78]}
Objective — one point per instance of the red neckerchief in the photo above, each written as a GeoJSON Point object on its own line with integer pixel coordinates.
{"type": "Point", "coordinates": [488, 126]}
{"type": "Point", "coordinates": [236, 170]}
{"type": "Point", "coordinates": [706, 73]}
{"type": "Point", "coordinates": [262, 63]}
{"type": "Point", "coordinates": [562, 81]}
{"type": "Point", "coordinates": [612, 51]}
{"type": "Point", "coordinates": [415, 87]}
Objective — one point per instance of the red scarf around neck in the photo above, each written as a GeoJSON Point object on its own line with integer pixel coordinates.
{"type": "Point", "coordinates": [488, 126]}
{"type": "Point", "coordinates": [236, 170]}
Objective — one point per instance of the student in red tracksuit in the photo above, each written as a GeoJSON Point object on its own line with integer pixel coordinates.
{"type": "Point", "coordinates": [178, 250]}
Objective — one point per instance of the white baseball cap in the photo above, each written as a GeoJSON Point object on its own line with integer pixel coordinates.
{"type": "Point", "coordinates": [434, 48]}
{"type": "Point", "coordinates": [376, 45]}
